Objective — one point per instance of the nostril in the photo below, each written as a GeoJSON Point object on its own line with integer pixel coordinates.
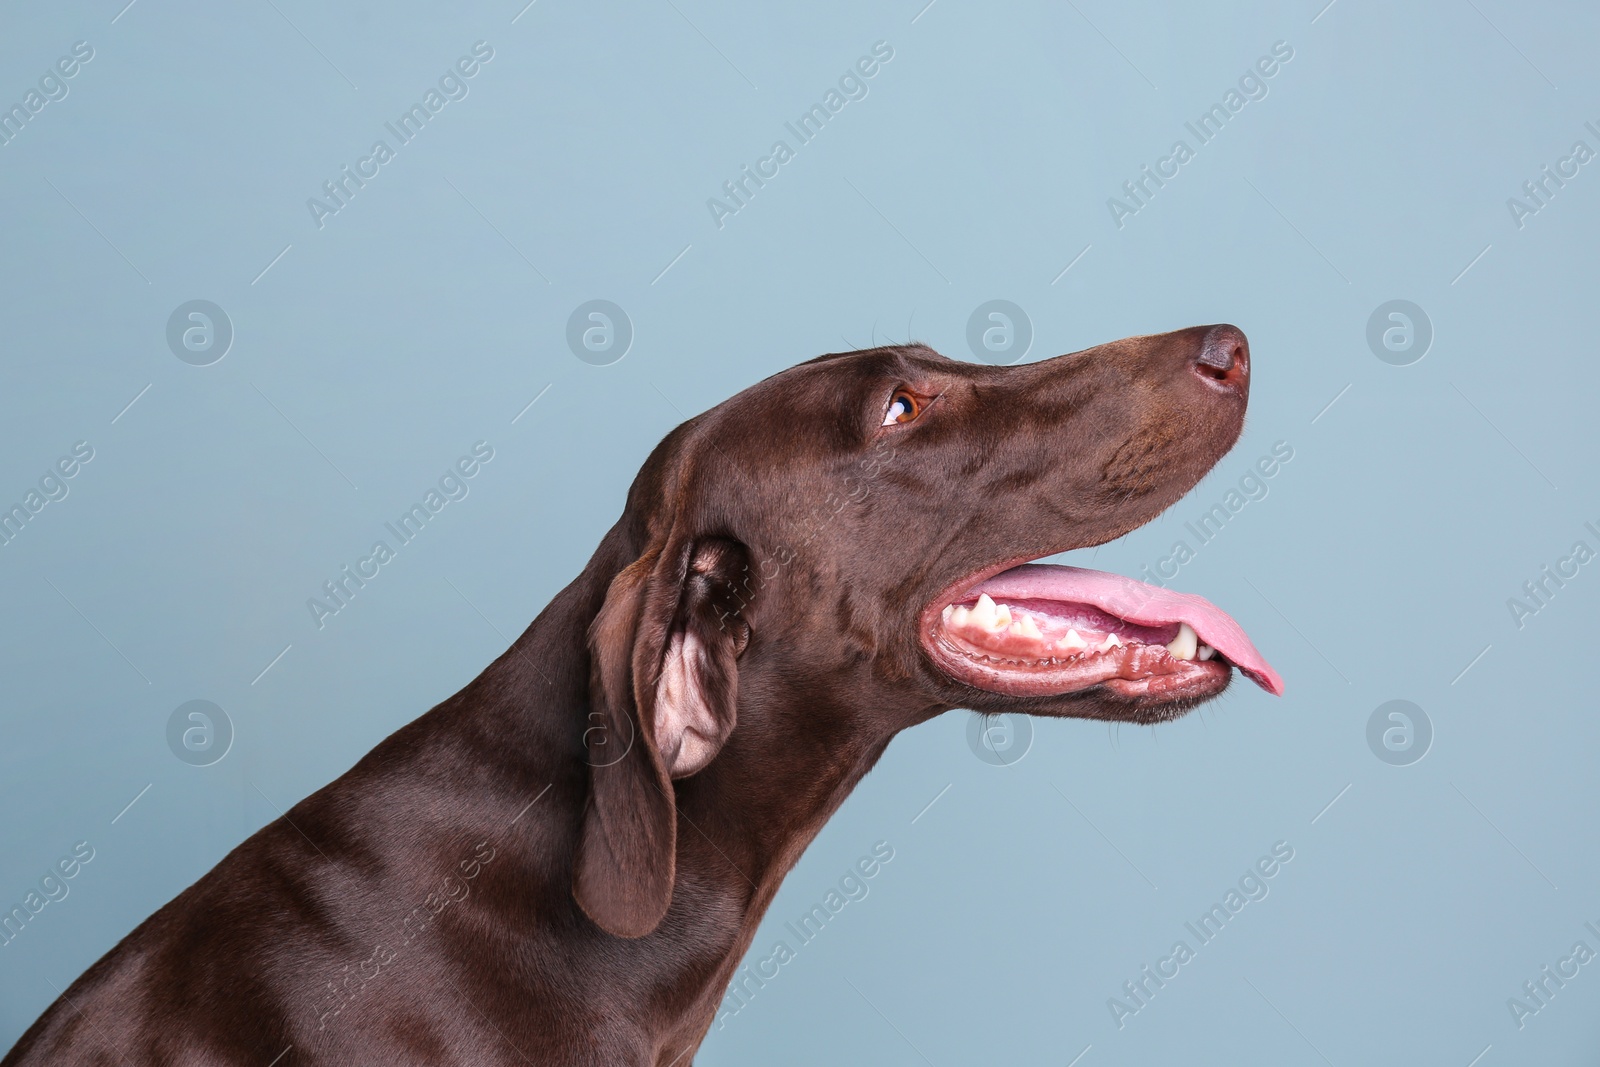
{"type": "Point", "coordinates": [1224, 356]}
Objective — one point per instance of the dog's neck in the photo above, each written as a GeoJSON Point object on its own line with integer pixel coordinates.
{"type": "Point", "coordinates": [743, 821]}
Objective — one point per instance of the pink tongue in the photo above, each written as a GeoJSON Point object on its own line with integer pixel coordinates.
{"type": "Point", "coordinates": [1137, 602]}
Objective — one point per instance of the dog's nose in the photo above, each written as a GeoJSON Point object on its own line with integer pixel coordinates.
{"type": "Point", "coordinates": [1224, 358]}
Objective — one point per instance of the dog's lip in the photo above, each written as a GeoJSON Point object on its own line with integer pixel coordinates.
{"type": "Point", "coordinates": [1134, 672]}
{"type": "Point", "coordinates": [1125, 598]}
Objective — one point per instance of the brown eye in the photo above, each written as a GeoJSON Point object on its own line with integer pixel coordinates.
{"type": "Point", "coordinates": [903, 407]}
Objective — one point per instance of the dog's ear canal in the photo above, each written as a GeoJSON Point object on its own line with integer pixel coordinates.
{"type": "Point", "coordinates": [663, 691]}
{"type": "Point", "coordinates": [697, 690]}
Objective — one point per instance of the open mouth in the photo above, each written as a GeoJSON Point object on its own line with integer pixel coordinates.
{"type": "Point", "coordinates": [1046, 630]}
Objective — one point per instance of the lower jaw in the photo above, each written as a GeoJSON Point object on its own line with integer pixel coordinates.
{"type": "Point", "coordinates": [1139, 675]}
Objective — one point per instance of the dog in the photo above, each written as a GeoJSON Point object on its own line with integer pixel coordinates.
{"type": "Point", "coordinates": [564, 862]}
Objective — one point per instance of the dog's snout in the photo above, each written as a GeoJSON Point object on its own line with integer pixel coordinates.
{"type": "Point", "coordinates": [1224, 358]}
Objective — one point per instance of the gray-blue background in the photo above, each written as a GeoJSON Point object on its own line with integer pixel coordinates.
{"type": "Point", "coordinates": [427, 313]}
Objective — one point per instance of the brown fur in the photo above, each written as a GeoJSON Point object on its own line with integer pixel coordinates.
{"type": "Point", "coordinates": [514, 878]}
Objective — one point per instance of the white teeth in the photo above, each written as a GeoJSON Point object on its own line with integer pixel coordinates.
{"type": "Point", "coordinates": [949, 610]}
{"type": "Point", "coordinates": [1111, 641]}
{"type": "Point", "coordinates": [1185, 644]}
{"type": "Point", "coordinates": [959, 617]}
{"type": "Point", "coordinates": [1072, 642]}
{"type": "Point", "coordinates": [983, 613]}
{"type": "Point", "coordinates": [1206, 652]}
{"type": "Point", "coordinates": [1002, 618]}
{"type": "Point", "coordinates": [1026, 627]}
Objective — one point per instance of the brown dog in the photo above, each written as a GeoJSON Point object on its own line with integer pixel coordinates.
{"type": "Point", "coordinates": [564, 862]}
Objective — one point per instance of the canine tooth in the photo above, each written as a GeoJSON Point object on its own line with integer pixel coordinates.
{"type": "Point", "coordinates": [983, 613]}
{"type": "Point", "coordinates": [1205, 652]}
{"type": "Point", "coordinates": [1111, 641]}
{"type": "Point", "coordinates": [1185, 644]}
{"type": "Point", "coordinates": [1026, 627]}
{"type": "Point", "coordinates": [1072, 642]}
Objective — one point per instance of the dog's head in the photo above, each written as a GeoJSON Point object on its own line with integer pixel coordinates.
{"type": "Point", "coordinates": [860, 527]}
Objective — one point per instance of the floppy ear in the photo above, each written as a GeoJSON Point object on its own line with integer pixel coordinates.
{"type": "Point", "coordinates": [663, 689]}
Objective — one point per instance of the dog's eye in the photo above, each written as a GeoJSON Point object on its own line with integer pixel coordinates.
{"type": "Point", "coordinates": [903, 407]}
